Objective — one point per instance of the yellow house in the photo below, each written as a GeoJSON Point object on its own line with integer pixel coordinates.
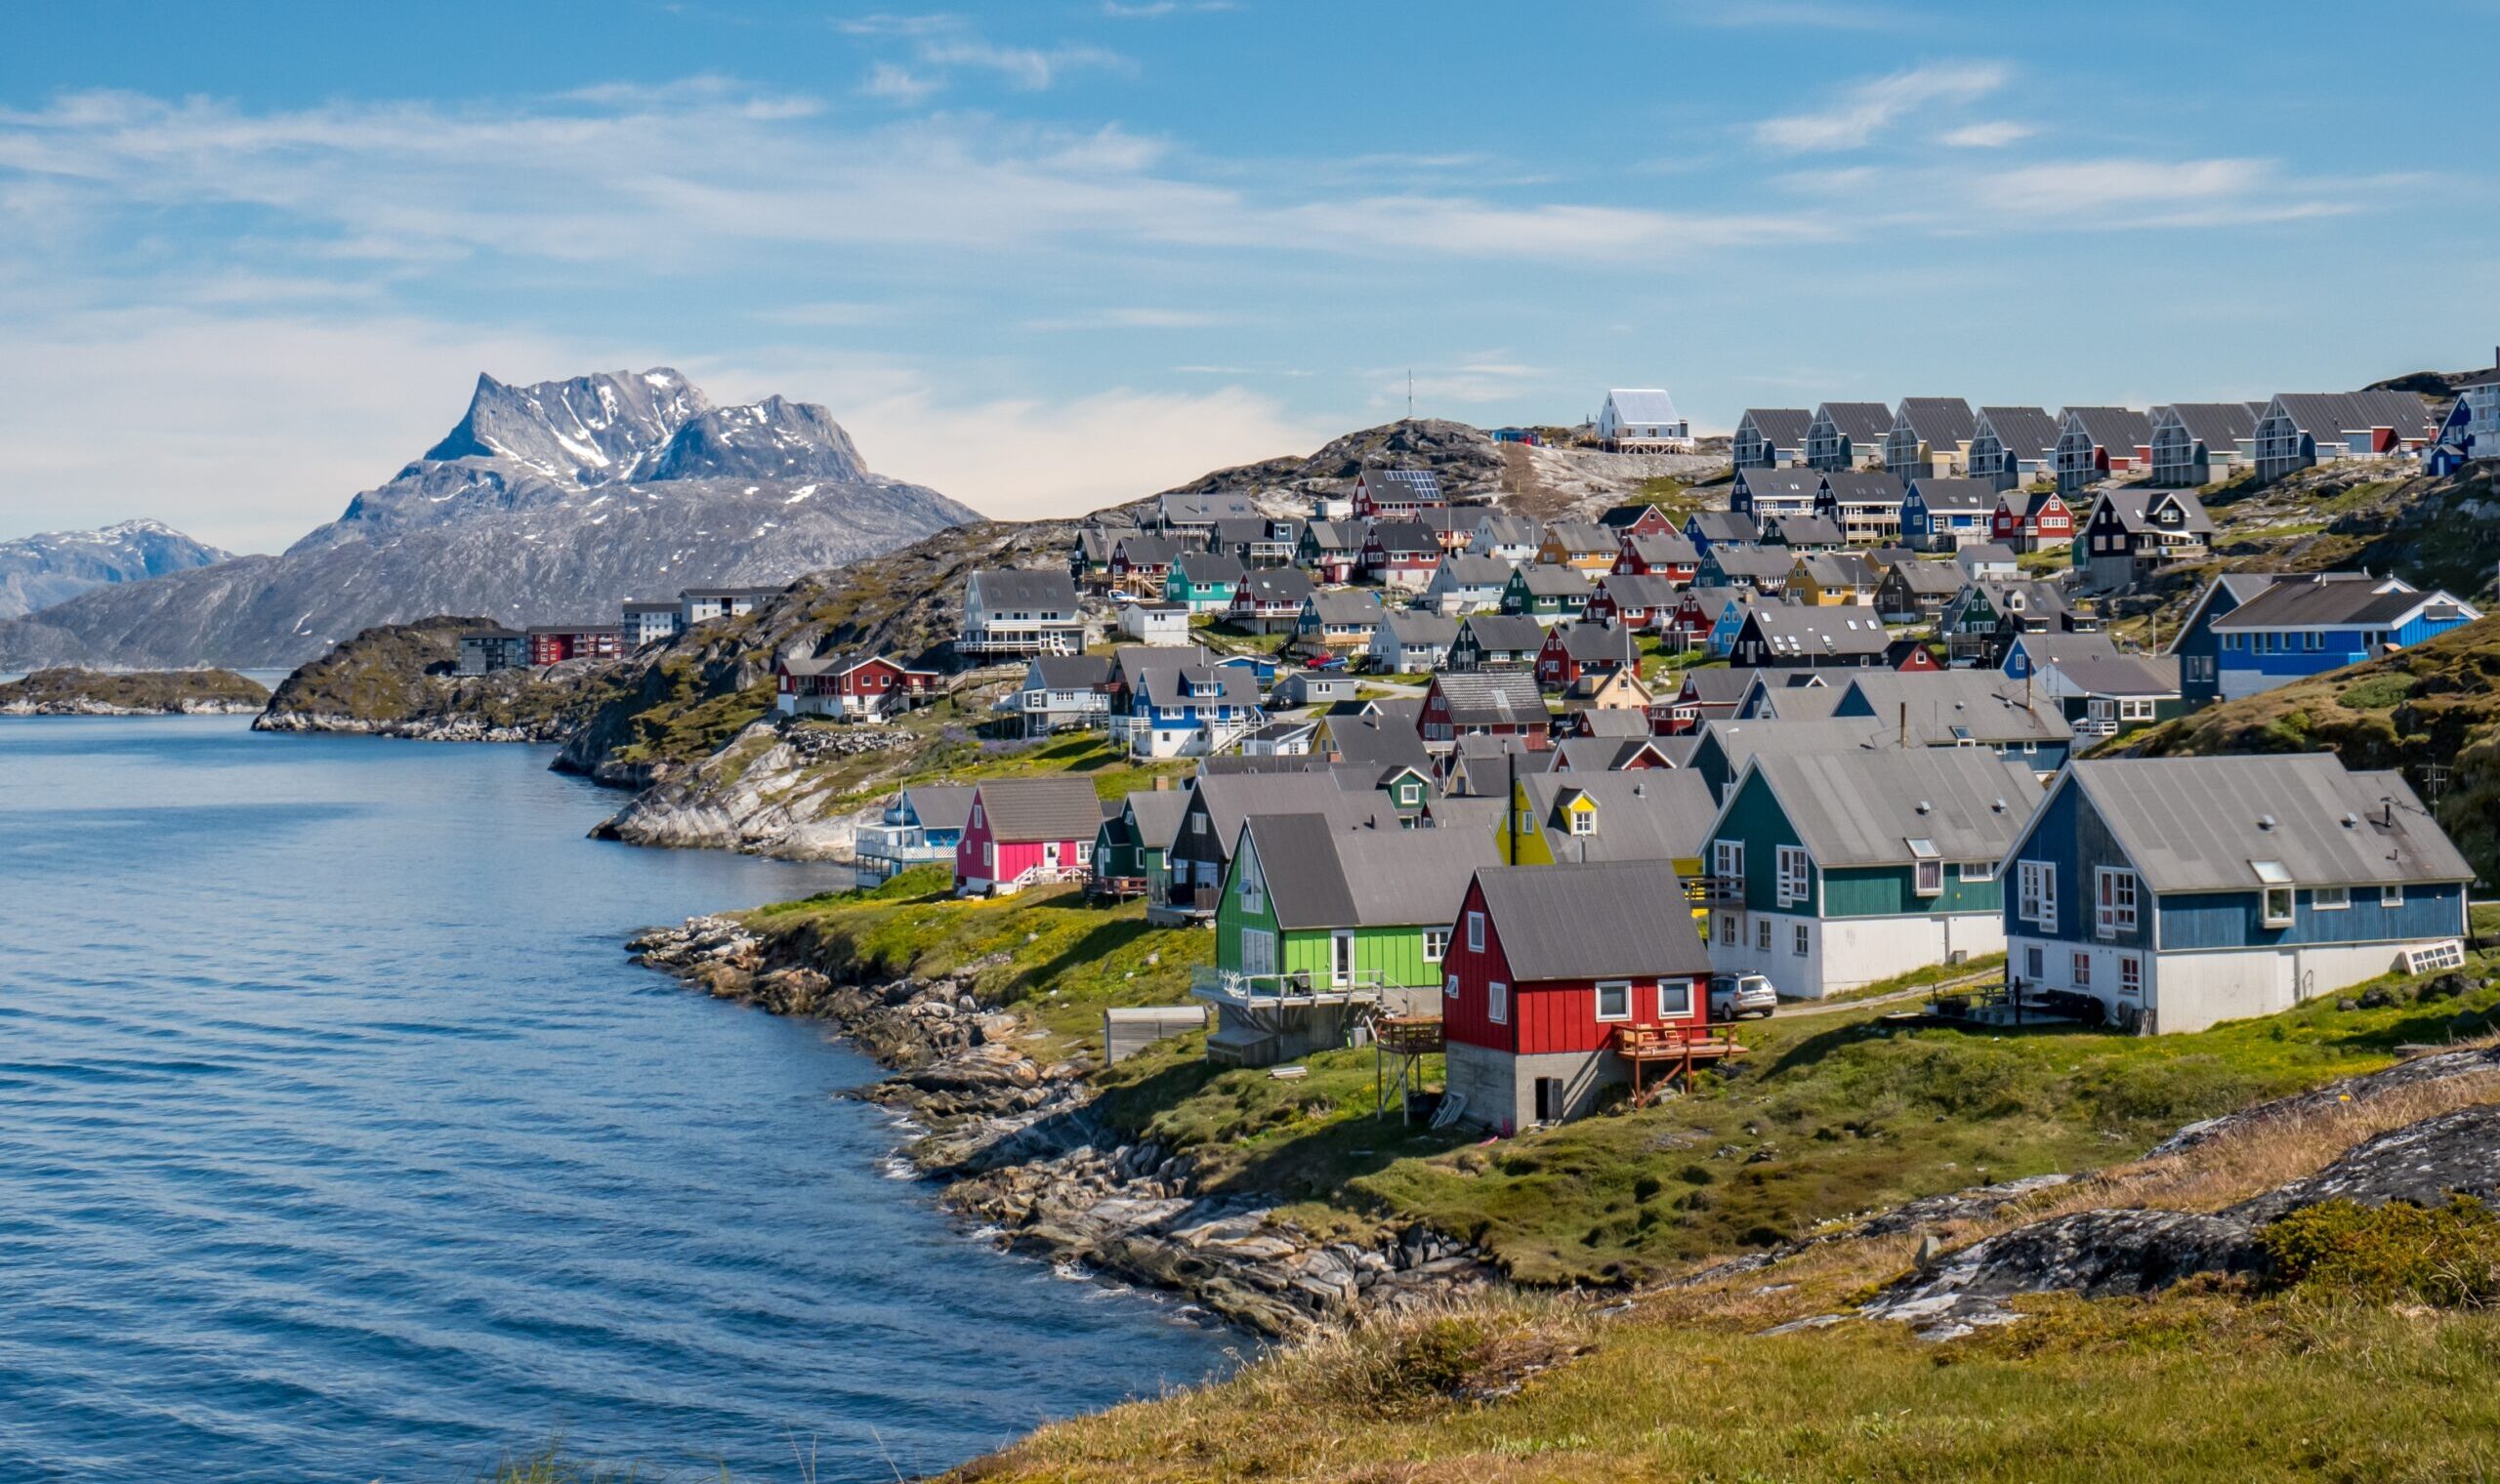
{"type": "Point", "coordinates": [1619, 690]}
{"type": "Point", "coordinates": [1646, 814]}
{"type": "Point", "coordinates": [1584, 545]}
{"type": "Point", "coordinates": [1832, 578]}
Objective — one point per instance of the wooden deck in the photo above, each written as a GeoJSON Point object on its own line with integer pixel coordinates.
{"type": "Point", "coordinates": [1671, 1055]}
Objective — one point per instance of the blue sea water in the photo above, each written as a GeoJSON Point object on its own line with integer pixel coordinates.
{"type": "Point", "coordinates": [340, 1141]}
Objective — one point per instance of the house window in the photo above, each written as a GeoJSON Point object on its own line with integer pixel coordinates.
{"type": "Point", "coordinates": [2278, 907]}
{"type": "Point", "coordinates": [1728, 858]}
{"type": "Point", "coordinates": [1792, 876]}
{"type": "Point", "coordinates": [2037, 893]}
{"type": "Point", "coordinates": [1449, 986]}
{"type": "Point", "coordinates": [2329, 898]}
{"type": "Point", "coordinates": [2083, 971]}
{"type": "Point", "coordinates": [2390, 896]}
{"type": "Point", "coordinates": [2035, 963]}
{"type": "Point", "coordinates": [976, 813]}
{"type": "Point", "coordinates": [1976, 871]}
{"type": "Point", "coordinates": [1584, 822]}
{"type": "Point", "coordinates": [1436, 944]}
{"type": "Point", "coordinates": [1761, 936]}
{"type": "Point", "coordinates": [2133, 710]}
{"type": "Point", "coordinates": [1614, 1000]}
{"type": "Point", "coordinates": [1727, 928]}
{"type": "Point", "coordinates": [2131, 974]}
{"type": "Point", "coordinates": [1476, 932]}
{"type": "Point", "coordinates": [1931, 878]}
{"type": "Point", "coordinates": [1801, 941]}
{"type": "Point", "coordinates": [1497, 1003]}
{"type": "Point", "coordinates": [1675, 998]}
{"type": "Point", "coordinates": [2114, 911]}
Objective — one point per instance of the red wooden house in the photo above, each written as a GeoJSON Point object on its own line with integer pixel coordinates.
{"type": "Point", "coordinates": [1665, 554]}
{"type": "Point", "coordinates": [1139, 563]}
{"type": "Point", "coordinates": [1401, 554]}
{"type": "Point", "coordinates": [1562, 981]}
{"type": "Point", "coordinates": [1634, 599]}
{"type": "Point", "coordinates": [1585, 648]}
{"type": "Point", "coordinates": [1499, 702]}
{"type": "Point", "coordinates": [1395, 493]}
{"type": "Point", "coordinates": [1911, 654]}
{"type": "Point", "coordinates": [1638, 520]}
{"type": "Point", "coordinates": [554, 643]}
{"type": "Point", "coordinates": [851, 686]}
{"type": "Point", "coordinates": [2031, 522]}
{"type": "Point", "coordinates": [1023, 831]}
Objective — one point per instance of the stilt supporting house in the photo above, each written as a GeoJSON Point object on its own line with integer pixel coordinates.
{"type": "Point", "coordinates": [1399, 1044]}
{"type": "Point", "coordinates": [1668, 1055]}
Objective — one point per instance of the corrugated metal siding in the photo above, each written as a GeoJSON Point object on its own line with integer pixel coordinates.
{"type": "Point", "coordinates": [1891, 892]}
{"type": "Point", "coordinates": [1758, 820]}
{"type": "Point", "coordinates": [2232, 920]}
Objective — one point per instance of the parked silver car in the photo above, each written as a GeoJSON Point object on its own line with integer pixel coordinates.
{"type": "Point", "coordinates": [1734, 997]}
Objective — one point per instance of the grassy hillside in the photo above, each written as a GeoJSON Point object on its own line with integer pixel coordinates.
{"type": "Point", "coordinates": [146, 691]}
{"type": "Point", "coordinates": [2431, 705]}
{"type": "Point", "coordinates": [400, 674]}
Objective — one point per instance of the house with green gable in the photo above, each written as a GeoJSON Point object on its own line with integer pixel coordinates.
{"type": "Point", "coordinates": [1204, 582]}
{"type": "Point", "coordinates": [1132, 850]}
{"type": "Point", "coordinates": [1318, 923]}
{"type": "Point", "coordinates": [1831, 870]}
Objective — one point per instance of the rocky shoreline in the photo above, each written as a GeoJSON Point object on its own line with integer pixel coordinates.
{"type": "Point", "coordinates": [75, 692]}
{"type": "Point", "coordinates": [423, 729]}
{"type": "Point", "coordinates": [91, 708]}
{"type": "Point", "coordinates": [1020, 1155]}
{"type": "Point", "coordinates": [760, 795]}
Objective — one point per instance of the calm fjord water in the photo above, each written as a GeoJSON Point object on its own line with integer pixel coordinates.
{"type": "Point", "coordinates": [338, 1141]}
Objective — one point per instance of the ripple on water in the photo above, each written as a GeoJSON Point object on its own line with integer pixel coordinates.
{"type": "Point", "coordinates": [338, 1140]}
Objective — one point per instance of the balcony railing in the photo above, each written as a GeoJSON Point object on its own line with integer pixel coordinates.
{"type": "Point", "coordinates": [906, 843]}
{"type": "Point", "coordinates": [1715, 891]}
{"type": "Point", "coordinates": [1230, 986]}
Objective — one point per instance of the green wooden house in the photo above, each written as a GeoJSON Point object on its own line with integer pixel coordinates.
{"type": "Point", "coordinates": [1132, 851]}
{"type": "Point", "coordinates": [1318, 921]}
{"type": "Point", "coordinates": [1204, 582]}
{"type": "Point", "coordinates": [1546, 592]}
{"type": "Point", "coordinates": [1830, 870]}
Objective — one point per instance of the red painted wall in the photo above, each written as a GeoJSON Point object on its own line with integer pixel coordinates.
{"type": "Point", "coordinates": [1554, 1015]}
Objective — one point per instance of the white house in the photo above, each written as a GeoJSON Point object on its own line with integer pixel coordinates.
{"type": "Point", "coordinates": [1643, 420]}
{"type": "Point", "coordinates": [648, 619]}
{"type": "Point", "coordinates": [1020, 611]}
{"type": "Point", "coordinates": [1155, 623]}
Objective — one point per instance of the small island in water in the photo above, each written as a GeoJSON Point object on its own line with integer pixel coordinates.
{"type": "Point", "coordinates": [73, 692]}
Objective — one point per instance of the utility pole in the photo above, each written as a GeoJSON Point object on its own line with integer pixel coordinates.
{"type": "Point", "coordinates": [1411, 393]}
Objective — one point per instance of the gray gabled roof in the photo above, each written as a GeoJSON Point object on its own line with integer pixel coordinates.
{"type": "Point", "coordinates": [1863, 486]}
{"type": "Point", "coordinates": [2028, 432]}
{"type": "Point", "coordinates": [1642, 404]}
{"type": "Point", "coordinates": [1605, 920]}
{"type": "Point", "coordinates": [1803, 530]}
{"type": "Point", "coordinates": [1779, 427]}
{"type": "Point", "coordinates": [1402, 536]}
{"type": "Point", "coordinates": [1718, 686]}
{"type": "Point", "coordinates": [1200, 509]}
{"type": "Point", "coordinates": [1493, 697]}
{"type": "Point", "coordinates": [1795, 703]}
{"type": "Point", "coordinates": [2113, 428]}
{"type": "Point", "coordinates": [1863, 423]}
{"type": "Point", "coordinates": [1721, 526]}
{"type": "Point", "coordinates": [1505, 633]}
{"type": "Point", "coordinates": [1552, 579]}
{"type": "Point", "coordinates": [1664, 551]}
{"type": "Point", "coordinates": [1378, 741]}
{"type": "Point", "coordinates": [1334, 535]}
{"type": "Point", "coordinates": [1052, 591]}
{"type": "Point", "coordinates": [2334, 414]}
{"type": "Point", "coordinates": [941, 805]}
{"type": "Point", "coordinates": [2121, 675]}
{"type": "Point", "coordinates": [1272, 586]}
{"type": "Point", "coordinates": [1846, 630]}
{"type": "Point", "coordinates": [1937, 420]}
{"type": "Point", "coordinates": [1634, 590]}
{"type": "Point", "coordinates": [2133, 506]}
{"type": "Point", "coordinates": [1945, 494]}
{"type": "Point", "coordinates": [1582, 536]}
{"type": "Point", "coordinates": [1236, 685]}
{"type": "Point", "coordinates": [1070, 672]}
{"type": "Point", "coordinates": [1413, 626]}
{"type": "Point", "coordinates": [1590, 642]}
{"type": "Point", "coordinates": [1319, 873]}
{"type": "Point", "coordinates": [2056, 646]}
{"type": "Point", "coordinates": [1199, 569]}
{"type": "Point", "coordinates": [1615, 722]}
{"type": "Point", "coordinates": [2298, 602]}
{"type": "Point", "coordinates": [1023, 810]}
{"type": "Point", "coordinates": [1158, 813]}
{"type": "Point", "coordinates": [1943, 707]}
{"type": "Point", "coordinates": [1777, 484]}
{"type": "Point", "coordinates": [1346, 607]}
{"type": "Point", "coordinates": [1751, 561]}
{"type": "Point", "coordinates": [1421, 484]}
{"type": "Point", "coordinates": [1837, 569]}
{"type": "Point", "coordinates": [1466, 569]}
{"type": "Point", "coordinates": [2219, 426]}
{"type": "Point", "coordinates": [1510, 530]}
{"type": "Point", "coordinates": [2198, 824]}
{"type": "Point", "coordinates": [1930, 578]}
{"type": "Point", "coordinates": [1985, 554]}
{"type": "Point", "coordinates": [1867, 808]}
{"type": "Point", "coordinates": [1646, 814]}
{"type": "Point", "coordinates": [1347, 795]}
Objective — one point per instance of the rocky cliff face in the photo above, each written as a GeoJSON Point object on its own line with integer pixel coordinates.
{"type": "Point", "coordinates": [551, 503]}
{"type": "Point", "coordinates": [400, 680]}
{"type": "Point", "coordinates": [38, 571]}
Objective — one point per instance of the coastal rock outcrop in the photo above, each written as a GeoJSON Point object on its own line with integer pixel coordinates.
{"type": "Point", "coordinates": [1015, 1141]}
{"type": "Point", "coordinates": [400, 681]}
{"type": "Point", "coordinates": [73, 692]}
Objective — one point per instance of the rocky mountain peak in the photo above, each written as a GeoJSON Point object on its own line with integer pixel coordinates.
{"type": "Point", "coordinates": [586, 430]}
{"type": "Point", "coordinates": [775, 438]}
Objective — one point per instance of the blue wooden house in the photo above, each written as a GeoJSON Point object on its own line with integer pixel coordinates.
{"type": "Point", "coordinates": [2306, 625]}
{"type": "Point", "coordinates": [1706, 529]}
{"type": "Point", "coordinates": [2182, 891]}
{"type": "Point", "coordinates": [1944, 515]}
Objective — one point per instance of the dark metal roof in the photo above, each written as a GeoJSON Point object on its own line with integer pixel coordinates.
{"type": "Point", "coordinates": [1598, 921]}
{"type": "Point", "coordinates": [1864, 422]}
{"type": "Point", "coordinates": [1718, 525]}
{"type": "Point", "coordinates": [1803, 530]}
{"type": "Point", "coordinates": [2120, 428]}
{"type": "Point", "coordinates": [1505, 633]}
{"type": "Point", "coordinates": [2198, 824]}
{"type": "Point", "coordinates": [1552, 579]}
{"type": "Point", "coordinates": [1937, 420]}
{"type": "Point", "coordinates": [1842, 632]}
{"type": "Point", "coordinates": [1792, 483]}
{"type": "Point", "coordinates": [1863, 809]}
{"type": "Point", "coordinates": [1493, 697]}
{"type": "Point", "coordinates": [1943, 494]}
{"type": "Point", "coordinates": [941, 805]}
{"type": "Point", "coordinates": [1646, 814]}
{"type": "Point", "coordinates": [1051, 590]}
{"type": "Point", "coordinates": [2219, 426]}
{"type": "Point", "coordinates": [2298, 602]}
{"type": "Point", "coordinates": [2028, 432]}
{"type": "Point", "coordinates": [1863, 486]}
{"type": "Point", "coordinates": [1041, 809]}
{"type": "Point", "coordinates": [1779, 427]}
{"type": "Point", "coordinates": [1276, 585]}
{"type": "Point", "coordinates": [1634, 590]}
{"type": "Point", "coordinates": [1412, 483]}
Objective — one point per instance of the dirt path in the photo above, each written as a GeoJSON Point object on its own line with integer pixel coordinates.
{"type": "Point", "coordinates": [1921, 992]}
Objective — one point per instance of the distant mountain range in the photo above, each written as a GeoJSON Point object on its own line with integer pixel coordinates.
{"type": "Point", "coordinates": [38, 571]}
{"type": "Point", "coordinates": [548, 503]}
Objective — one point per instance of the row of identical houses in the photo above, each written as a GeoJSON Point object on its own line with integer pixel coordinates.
{"type": "Point", "coordinates": [2179, 445]}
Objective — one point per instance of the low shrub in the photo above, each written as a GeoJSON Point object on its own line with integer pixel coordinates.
{"type": "Point", "coordinates": [2378, 692]}
{"type": "Point", "coordinates": [2447, 1256]}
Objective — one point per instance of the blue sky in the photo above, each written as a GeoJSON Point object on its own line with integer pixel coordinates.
{"type": "Point", "coordinates": [1049, 256]}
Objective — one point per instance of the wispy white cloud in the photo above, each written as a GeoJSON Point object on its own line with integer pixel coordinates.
{"type": "Point", "coordinates": [1155, 9]}
{"type": "Point", "coordinates": [1992, 134]}
{"type": "Point", "coordinates": [942, 44]}
{"type": "Point", "coordinates": [2147, 192]}
{"type": "Point", "coordinates": [890, 80]}
{"type": "Point", "coordinates": [1032, 68]}
{"type": "Point", "coordinates": [1474, 381]}
{"type": "Point", "coordinates": [1132, 318]}
{"type": "Point", "coordinates": [1869, 107]}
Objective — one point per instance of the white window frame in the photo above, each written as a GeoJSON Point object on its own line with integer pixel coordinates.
{"type": "Point", "coordinates": [1795, 875]}
{"type": "Point", "coordinates": [1584, 822]}
{"type": "Point", "coordinates": [1976, 871]}
{"type": "Point", "coordinates": [1622, 987]}
{"type": "Point", "coordinates": [2082, 970]}
{"type": "Point", "coordinates": [1449, 986]}
{"type": "Point", "coordinates": [2131, 974]}
{"type": "Point", "coordinates": [2267, 916]}
{"type": "Point", "coordinates": [1926, 878]}
{"type": "Point", "coordinates": [1497, 1003]}
{"type": "Point", "coordinates": [1675, 998]}
{"type": "Point", "coordinates": [2392, 896]}
{"type": "Point", "coordinates": [1250, 887]}
{"type": "Point", "coordinates": [2330, 898]}
{"type": "Point", "coordinates": [1728, 858]}
{"type": "Point", "coordinates": [1476, 932]}
{"type": "Point", "coordinates": [1801, 941]}
{"type": "Point", "coordinates": [2036, 882]}
{"type": "Point", "coordinates": [1727, 932]}
{"type": "Point", "coordinates": [2116, 901]}
{"type": "Point", "coordinates": [1761, 936]}
{"type": "Point", "coordinates": [1435, 952]}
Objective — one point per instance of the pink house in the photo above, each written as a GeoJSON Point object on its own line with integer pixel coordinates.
{"type": "Point", "coordinates": [1025, 831]}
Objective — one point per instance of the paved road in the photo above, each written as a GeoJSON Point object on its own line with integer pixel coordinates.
{"type": "Point", "coordinates": [1922, 991]}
